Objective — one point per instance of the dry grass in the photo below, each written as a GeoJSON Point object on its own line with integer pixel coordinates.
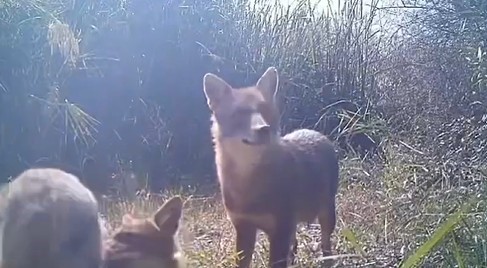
{"type": "Point", "coordinates": [382, 219]}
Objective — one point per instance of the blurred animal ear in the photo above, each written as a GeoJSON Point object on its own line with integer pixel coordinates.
{"type": "Point", "coordinates": [268, 83]}
{"type": "Point", "coordinates": [217, 91]}
{"type": "Point", "coordinates": [168, 215]}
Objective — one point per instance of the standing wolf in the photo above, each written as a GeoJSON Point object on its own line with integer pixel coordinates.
{"type": "Point", "coordinates": [269, 182]}
{"type": "Point", "coordinates": [50, 220]}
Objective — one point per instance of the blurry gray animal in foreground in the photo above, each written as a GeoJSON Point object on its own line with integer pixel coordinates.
{"type": "Point", "coordinates": [50, 219]}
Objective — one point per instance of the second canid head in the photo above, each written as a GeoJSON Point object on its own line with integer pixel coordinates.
{"type": "Point", "coordinates": [246, 115]}
{"type": "Point", "coordinates": [149, 242]}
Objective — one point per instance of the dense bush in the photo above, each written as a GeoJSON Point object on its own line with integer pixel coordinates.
{"type": "Point", "coordinates": [129, 76]}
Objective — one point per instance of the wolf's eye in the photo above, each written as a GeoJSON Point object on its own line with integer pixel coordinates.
{"type": "Point", "coordinates": [241, 116]}
{"type": "Point", "coordinates": [126, 236]}
{"type": "Point", "coordinates": [244, 111]}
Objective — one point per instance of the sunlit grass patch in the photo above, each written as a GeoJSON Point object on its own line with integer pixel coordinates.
{"type": "Point", "coordinates": [382, 221]}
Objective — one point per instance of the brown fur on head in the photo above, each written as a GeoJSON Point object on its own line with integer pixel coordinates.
{"type": "Point", "coordinates": [247, 115]}
{"type": "Point", "coordinates": [149, 242]}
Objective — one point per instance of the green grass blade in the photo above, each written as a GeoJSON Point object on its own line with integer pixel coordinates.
{"type": "Point", "coordinates": [438, 236]}
{"type": "Point", "coordinates": [352, 238]}
{"type": "Point", "coordinates": [457, 252]}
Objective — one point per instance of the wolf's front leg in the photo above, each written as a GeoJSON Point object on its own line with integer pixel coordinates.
{"type": "Point", "coordinates": [246, 235]}
{"type": "Point", "coordinates": [280, 243]}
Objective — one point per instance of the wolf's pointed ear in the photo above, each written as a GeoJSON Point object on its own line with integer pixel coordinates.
{"type": "Point", "coordinates": [216, 90]}
{"type": "Point", "coordinates": [268, 83]}
{"type": "Point", "coordinates": [168, 215]}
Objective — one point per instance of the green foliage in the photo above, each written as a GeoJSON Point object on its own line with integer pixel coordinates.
{"type": "Point", "coordinates": [437, 237]}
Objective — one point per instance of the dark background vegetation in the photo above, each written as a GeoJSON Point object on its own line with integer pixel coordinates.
{"type": "Point", "coordinates": [117, 86]}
